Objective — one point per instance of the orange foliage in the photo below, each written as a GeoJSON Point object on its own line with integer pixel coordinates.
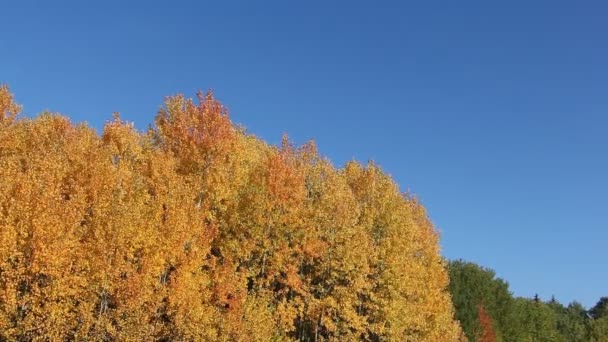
{"type": "Point", "coordinates": [8, 108]}
{"type": "Point", "coordinates": [196, 230]}
{"type": "Point", "coordinates": [487, 333]}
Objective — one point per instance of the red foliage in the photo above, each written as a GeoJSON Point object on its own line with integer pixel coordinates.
{"type": "Point", "coordinates": [487, 333]}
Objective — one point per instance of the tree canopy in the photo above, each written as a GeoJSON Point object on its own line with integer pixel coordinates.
{"type": "Point", "coordinates": [488, 311]}
{"type": "Point", "coordinates": [197, 230]}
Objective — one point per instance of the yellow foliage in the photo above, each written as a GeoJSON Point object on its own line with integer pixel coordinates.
{"type": "Point", "coordinates": [8, 108]}
{"type": "Point", "coordinates": [197, 231]}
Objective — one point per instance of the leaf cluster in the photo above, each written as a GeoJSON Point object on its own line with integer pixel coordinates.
{"type": "Point", "coordinates": [197, 230]}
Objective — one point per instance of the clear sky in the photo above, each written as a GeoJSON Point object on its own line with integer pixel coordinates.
{"type": "Point", "coordinates": [494, 113]}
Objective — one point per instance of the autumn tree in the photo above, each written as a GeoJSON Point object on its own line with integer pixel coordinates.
{"type": "Point", "coordinates": [8, 108]}
{"type": "Point", "coordinates": [486, 334]}
{"type": "Point", "coordinates": [197, 230]}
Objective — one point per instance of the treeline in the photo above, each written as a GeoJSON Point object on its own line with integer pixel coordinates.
{"type": "Point", "coordinates": [198, 231]}
{"type": "Point", "coordinates": [488, 312]}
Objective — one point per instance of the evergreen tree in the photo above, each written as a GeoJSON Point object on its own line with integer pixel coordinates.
{"type": "Point", "coordinates": [518, 319]}
{"type": "Point", "coordinates": [600, 309]}
{"type": "Point", "coordinates": [472, 286]}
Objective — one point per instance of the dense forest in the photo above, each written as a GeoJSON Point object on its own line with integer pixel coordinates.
{"type": "Point", "coordinates": [196, 230]}
{"type": "Point", "coordinates": [488, 312]}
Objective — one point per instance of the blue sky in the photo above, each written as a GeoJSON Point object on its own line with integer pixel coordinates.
{"type": "Point", "coordinates": [494, 114]}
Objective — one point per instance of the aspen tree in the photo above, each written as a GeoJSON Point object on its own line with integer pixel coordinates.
{"type": "Point", "coordinates": [197, 230]}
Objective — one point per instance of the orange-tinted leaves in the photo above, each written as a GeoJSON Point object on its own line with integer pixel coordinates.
{"type": "Point", "coordinates": [8, 108]}
{"type": "Point", "coordinates": [197, 231]}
